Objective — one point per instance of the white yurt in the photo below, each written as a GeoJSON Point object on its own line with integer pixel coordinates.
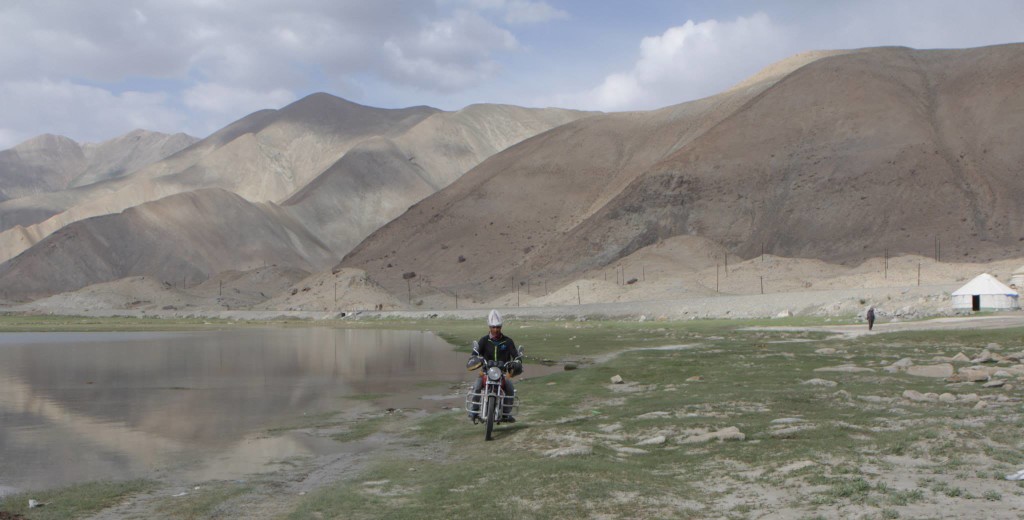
{"type": "Point", "coordinates": [984, 292]}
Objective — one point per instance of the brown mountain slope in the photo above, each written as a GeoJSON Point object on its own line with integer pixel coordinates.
{"type": "Point", "coordinates": [188, 235]}
{"type": "Point", "coordinates": [833, 158]}
{"type": "Point", "coordinates": [272, 154]}
{"type": "Point", "coordinates": [380, 178]}
{"type": "Point", "coordinates": [50, 163]}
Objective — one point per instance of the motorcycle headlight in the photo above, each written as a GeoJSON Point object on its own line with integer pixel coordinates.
{"type": "Point", "coordinates": [494, 373]}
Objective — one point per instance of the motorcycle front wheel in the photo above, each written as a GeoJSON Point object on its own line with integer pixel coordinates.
{"type": "Point", "coordinates": [491, 408]}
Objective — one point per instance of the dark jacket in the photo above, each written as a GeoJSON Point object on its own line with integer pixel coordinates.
{"type": "Point", "coordinates": [501, 350]}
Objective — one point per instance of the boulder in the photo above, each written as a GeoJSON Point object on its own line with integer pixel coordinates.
{"type": "Point", "coordinates": [820, 382]}
{"type": "Point", "coordinates": [942, 370]}
{"type": "Point", "coordinates": [827, 350]}
{"type": "Point", "coordinates": [659, 439]}
{"type": "Point", "coordinates": [617, 379]}
{"type": "Point", "coordinates": [961, 358]}
{"type": "Point", "coordinates": [915, 396]}
{"type": "Point", "coordinates": [725, 434]}
{"type": "Point", "coordinates": [974, 374]}
{"type": "Point", "coordinates": [984, 357]}
{"type": "Point", "coordinates": [947, 398]}
{"type": "Point", "coordinates": [844, 368]}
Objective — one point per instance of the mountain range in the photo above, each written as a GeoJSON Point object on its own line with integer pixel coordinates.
{"type": "Point", "coordinates": [839, 156]}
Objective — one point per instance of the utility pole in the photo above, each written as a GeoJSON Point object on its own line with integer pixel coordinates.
{"type": "Point", "coordinates": [456, 299]}
{"type": "Point", "coordinates": [717, 265]}
{"type": "Point", "coordinates": [762, 284]}
{"type": "Point", "coordinates": [919, 273]}
{"type": "Point", "coordinates": [220, 288]}
{"type": "Point", "coordinates": [578, 300]}
{"type": "Point", "coordinates": [886, 272]}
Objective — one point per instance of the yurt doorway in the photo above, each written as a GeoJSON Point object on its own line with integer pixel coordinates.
{"type": "Point", "coordinates": [976, 302]}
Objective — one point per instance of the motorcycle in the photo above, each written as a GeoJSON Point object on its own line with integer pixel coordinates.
{"type": "Point", "coordinates": [491, 404]}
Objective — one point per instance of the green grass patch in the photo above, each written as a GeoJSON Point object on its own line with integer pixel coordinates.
{"type": "Point", "coordinates": [211, 500]}
{"type": "Point", "coordinates": [76, 501]}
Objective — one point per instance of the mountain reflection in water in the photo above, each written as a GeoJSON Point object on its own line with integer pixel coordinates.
{"type": "Point", "coordinates": [88, 406]}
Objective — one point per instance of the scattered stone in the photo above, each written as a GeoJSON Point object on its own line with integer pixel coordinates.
{"type": "Point", "coordinates": [784, 433]}
{"type": "Point", "coordinates": [32, 504]}
{"type": "Point", "coordinates": [784, 314]}
{"type": "Point", "coordinates": [820, 382]}
{"type": "Point", "coordinates": [654, 415]}
{"type": "Point", "coordinates": [787, 420]}
{"type": "Point", "coordinates": [903, 363]}
{"type": "Point", "coordinates": [974, 374]}
{"type": "Point", "coordinates": [1016, 476]}
{"type": "Point", "coordinates": [980, 405]}
{"type": "Point", "coordinates": [617, 380]}
{"type": "Point", "coordinates": [993, 346]}
{"type": "Point", "coordinates": [844, 368]}
{"type": "Point", "coordinates": [695, 379]}
{"type": "Point", "coordinates": [947, 397]}
{"type": "Point", "coordinates": [914, 395]}
{"type": "Point", "coordinates": [794, 466]}
{"type": "Point", "coordinates": [995, 383]}
{"type": "Point", "coordinates": [610, 428]}
{"type": "Point", "coordinates": [984, 357]}
{"type": "Point", "coordinates": [568, 451]}
{"type": "Point", "coordinates": [827, 350]}
{"type": "Point", "coordinates": [731, 433]}
{"type": "Point", "coordinates": [940, 370]}
{"type": "Point", "coordinates": [968, 398]}
{"type": "Point", "coordinates": [873, 398]}
{"type": "Point", "coordinates": [656, 440]}
{"type": "Point", "coordinates": [960, 357]}
{"type": "Point", "coordinates": [1002, 373]}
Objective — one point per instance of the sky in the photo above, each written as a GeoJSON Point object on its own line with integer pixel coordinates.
{"type": "Point", "coordinates": [94, 70]}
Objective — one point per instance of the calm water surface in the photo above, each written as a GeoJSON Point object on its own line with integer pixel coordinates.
{"type": "Point", "coordinates": [90, 406]}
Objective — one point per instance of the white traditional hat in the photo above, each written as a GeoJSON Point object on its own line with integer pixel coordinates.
{"type": "Point", "coordinates": [494, 319]}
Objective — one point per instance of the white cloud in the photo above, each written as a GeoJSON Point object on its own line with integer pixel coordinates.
{"type": "Point", "coordinates": [687, 62]}
{"type": "Point", "coordinates": [448, 54]}
{"type": "Point", "coordinates": [522, 11]}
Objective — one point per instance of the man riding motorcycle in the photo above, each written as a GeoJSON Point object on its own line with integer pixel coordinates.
{"type": "Point", "coordinates": [499, 348]}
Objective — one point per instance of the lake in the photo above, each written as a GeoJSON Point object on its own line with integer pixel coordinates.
{"type": "Point", "coordinates": [90, 406]}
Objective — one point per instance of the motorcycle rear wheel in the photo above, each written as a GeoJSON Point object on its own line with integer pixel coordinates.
{"type": "Point", "coordinates": [491, 412]}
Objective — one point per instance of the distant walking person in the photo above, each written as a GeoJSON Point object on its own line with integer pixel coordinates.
{"type": "Point", "coordinates": [871, 317]}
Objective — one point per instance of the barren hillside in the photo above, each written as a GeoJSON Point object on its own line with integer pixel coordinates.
{"type": "Point", "coordinates": [378, 162]}
{"type": "Point", "coordinates": [835, 157]}
{"type": "Point", "coordinates": [181, 239]}
{"type": "Point", "coordinates": [49, 163]}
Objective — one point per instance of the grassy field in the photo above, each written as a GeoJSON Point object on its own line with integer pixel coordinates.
{"type": "Point", "coordinates": [849, 446]}
{"type": "Point", "coordinates": [587, 448]}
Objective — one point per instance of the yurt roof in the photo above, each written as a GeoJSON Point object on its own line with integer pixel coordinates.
{"type": "Point", "coordinates": [984, 284]}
